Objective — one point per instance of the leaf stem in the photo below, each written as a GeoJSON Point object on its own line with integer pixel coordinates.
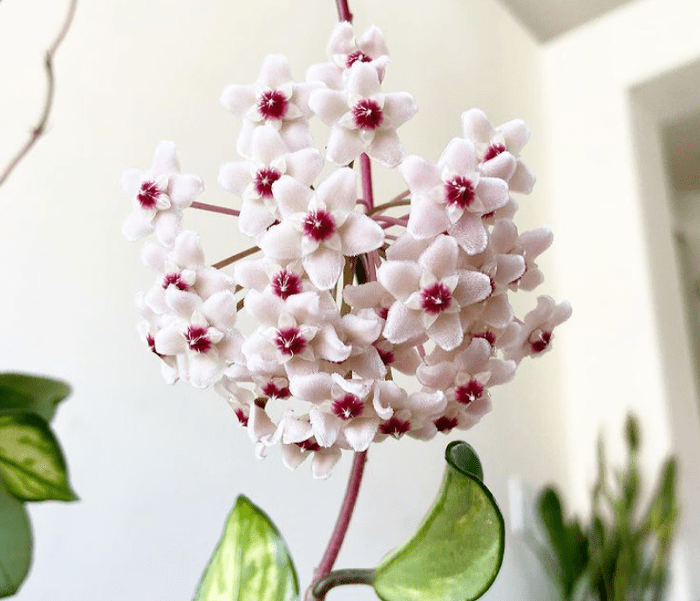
{"type": "Point", "coordinates": [342, 523]}
{"type": "Point", "coordinates": [40, 127]}
{"type": "Point", "coordinates": [236, 257]}
{"type": "Point", "coordinates": [340, 578]}
{"type": "Point", "coordinates": [215, 209]}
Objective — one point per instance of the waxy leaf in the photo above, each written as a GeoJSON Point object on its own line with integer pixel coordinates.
{"type": "Point", "coordinates": [15, 543]}
{"type": "Point", "coordinates": [251, 561]}
{"type": "Point", "coordinates": [31, 462]}
{"type": "Point", "coordinates": [457, 551]}
{"type": "Point", "coordinates": [33, 393]}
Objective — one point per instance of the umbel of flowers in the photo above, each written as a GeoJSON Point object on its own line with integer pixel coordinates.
{"type": "Point", "coordinates": [344, 290]}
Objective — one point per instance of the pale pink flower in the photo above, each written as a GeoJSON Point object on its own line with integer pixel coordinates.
{"type": "Point", "coordinates": [536, 333]}
{"type": "Point", "coordinates": [345, 50]}
{"type": "Point", "coordinates": [159, 195]}
{"type": "Point", "coordinates": [363, 118]}
{"type": "Point", "coordinates": [203, 339]}
{"type": "Point", "coordinates": [253, 180]}
{"type": "Point", "coordinates": [452, 196]}
{"type": "Point", "coordinates": [275, 99]}
{"type": "Point", "coordinates": [321, 227]}
{"type": "Point", "coordinates": [430, 294]}
{"type": "Point", "coordinates": [497, 146]}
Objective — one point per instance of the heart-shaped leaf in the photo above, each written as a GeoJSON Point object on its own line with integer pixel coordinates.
{"type": "Point", "coordinates": [31, 461]}
{"type": "Point", "coordinates": [33, 393]}
{"type": "Point", "coordinates": [457, 551]}
{"type": "Point", "coordinates": [15, 543]}
{"type": "Point", "coordinates": [251, 561]}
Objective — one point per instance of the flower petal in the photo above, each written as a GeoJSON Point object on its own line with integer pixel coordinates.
{"type": "Point", "coordinates": [360, 234]}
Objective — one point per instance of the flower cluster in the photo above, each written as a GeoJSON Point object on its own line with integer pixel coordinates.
{"type": "Point", "coordinates": [345, 291]}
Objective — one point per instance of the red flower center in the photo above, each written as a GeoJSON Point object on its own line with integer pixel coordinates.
{"type": "Point", "coordinates": [539, 341]}
{"type": "Point", "coordinates": [285, 283]}
{"type": "Point", "coordinates": [469, 392]}
{"type": "Point", "coordinates": [387, 357]}
{"type": "Point", "coordinates": [367, 114]}
{"type": "Point", "coordinates": [272, 105]}
{"type": "Point", "coordinates": [148, 195]}
{"type": "Point", "coordinates": [197, 339]}
{"type": "Point", "coordinates": [356, 56]}
{"type": "Point", "coordinates": [175, 279]}
{"type": "Point", "coordinates": [290, 342]}
{"type": "Point", "coordinates": [490, 337]}
{"type": "Point", "coordinates": [445, 424]}
{"type": "Point", "coordinates": [436, 298]}
{"type": "Point", "coordinates": [242, 417]}
{"type": "Point", "coordinates": [493, 151]}
{"type": "Point", "coordinates": [309, 444]}
{"type": "Point", "coordinates": [264, 179]}
{"type": "Point", "coordinates": [459, 191]}
{"type": "Point", "coordinates": [319, 225]}
{"type": "Point", "coordinates": [275, 392]}
{"type": "Point", "coordinates": [151, 341]}
{"type": "Point", "coordinates": [395, 427]}
{"type": "Point", "coordinates": [348, 406]}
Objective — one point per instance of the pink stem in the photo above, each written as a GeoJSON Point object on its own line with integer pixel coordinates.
{"type": "Point", "coordinates": [389, 221]}
{"type": "Point", "coordinates": [214, 209]}
{"type": "Point", "coordinates": [341, 525]}
{"type": "Point", "coordinates": [366, 170]}
{"type": "Point", "coordinates": [344, 13]}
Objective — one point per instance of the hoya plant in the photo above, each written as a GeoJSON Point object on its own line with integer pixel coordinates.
{"type": "Point", "coordinates": [302, 331]}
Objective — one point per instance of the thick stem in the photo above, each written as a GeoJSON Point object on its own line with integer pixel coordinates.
{"type": "Point", "coordinates": [366, 171]}
{"type": "Point", "coordinates": [215, 209]}
{"type": "Point", "coordinates": [368, 195]}
{"type": "Point", "coordinates": [341, 525]}
{"type": "Point", "coordinates": [40, 127]}
{"type": "Point", "coordinates": [344, 13]}
{"type": "Point", "coordinates": [340, 578]}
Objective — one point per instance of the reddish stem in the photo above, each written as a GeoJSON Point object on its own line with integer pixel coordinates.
{"type": "Point", "coordinates": [366, 171]}
{"type": "Point", "coordinates": [215, 209]}
{"type": "Point", "coordinates": [344, 13]}
{"type": "Point", "coordinates": [341, 525]}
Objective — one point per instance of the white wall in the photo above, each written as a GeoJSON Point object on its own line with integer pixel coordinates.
{"type": "Point", "coordinates": [626, 347]}
{"type": "Point", "coordinates": [158, 467]}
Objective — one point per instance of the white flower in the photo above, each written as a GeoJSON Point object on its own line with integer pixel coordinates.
{"type": "Point", "coordinates": [452, 196]}
{"type": "Point", "coordinates": [252, 180]}
{"type": "Point", "coordinates": [159, 195]}
{"type": "Point", "coordinates": [345, 51]}
{"type": "Point", "coordinates": [321, 228]}
{"type": "Point", "coordinates": [498, 146]}
{"type": "Point", "coordinates": [363, 118]}
{"type": "Point", "coordinates": [275, 99]}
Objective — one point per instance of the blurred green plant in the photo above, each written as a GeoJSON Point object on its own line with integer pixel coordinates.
{"type": "Point", "coordinates": [32, 467]}
{"type": "Point", "coordinates": [623, 553]}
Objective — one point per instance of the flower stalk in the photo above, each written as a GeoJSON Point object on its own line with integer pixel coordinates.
{"type": "Point", "coordinates": [342, 523]}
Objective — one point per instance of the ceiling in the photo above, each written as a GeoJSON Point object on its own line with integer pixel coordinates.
{"type": "Point", "coordinates": [547, 19]}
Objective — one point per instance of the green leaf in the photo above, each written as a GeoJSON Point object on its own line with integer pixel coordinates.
{"type": "Point", "coordinates": [251, 561]}
{"type": "Point", "coordinates": [632, 434]}
{"type": "Point", "coordinates": [31, 461]}
{"type": "Point", "coordinates": [15, 543]}
{"type": "Point", "coordinates": [33, 393]}
{"type": "Point", "coordinates": [458, 549]}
